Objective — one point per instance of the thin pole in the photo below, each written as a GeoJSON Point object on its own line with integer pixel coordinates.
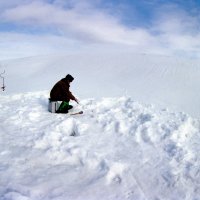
{"type": "Point", "coordinates": [3, 86]}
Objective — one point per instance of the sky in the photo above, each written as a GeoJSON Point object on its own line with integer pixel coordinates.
{"type": "Point", "coordinates": [40, 27]}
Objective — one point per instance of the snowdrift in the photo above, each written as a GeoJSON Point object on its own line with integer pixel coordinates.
{"type": "Point", "coordinates": [119, 149]}
{"type": "Point", "coordinates": [164, 81]}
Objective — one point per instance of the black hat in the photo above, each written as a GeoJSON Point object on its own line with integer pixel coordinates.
{"type": "Point", "coordinates": [69, 78]}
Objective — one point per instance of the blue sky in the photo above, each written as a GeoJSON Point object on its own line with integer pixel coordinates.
{"type": "Point", "coordinates": [31, 27]}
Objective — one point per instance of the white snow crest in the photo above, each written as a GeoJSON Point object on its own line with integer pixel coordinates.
{"type": "Point", "coordinates": [118, 149]}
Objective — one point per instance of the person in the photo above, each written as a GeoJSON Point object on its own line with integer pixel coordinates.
{"type": "Point", "coordinates": [61, 92]}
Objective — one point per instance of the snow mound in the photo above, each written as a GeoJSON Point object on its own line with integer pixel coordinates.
{"type": "Point", "coordinates": [163, 81]}
{"type": "Point", "coordinates": [118, 149]}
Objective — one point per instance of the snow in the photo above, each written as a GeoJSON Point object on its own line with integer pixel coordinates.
{"type": "Point", "coordinates": [118, 149]}
{"type": "Point", "coordinates": [171, 82]}
{"type": "Point", "coordinates": [138, 138]}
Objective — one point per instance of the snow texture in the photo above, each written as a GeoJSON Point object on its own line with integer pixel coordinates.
{"type": "Point", "coordinates": [118, 149]}
{"type": "Point", "coordinates": [134, 140]}
{"type": "Point", "coordinates": [160, 80]}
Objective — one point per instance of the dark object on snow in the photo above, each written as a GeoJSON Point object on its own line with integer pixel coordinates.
{"type": "Point", "coordinates": [56, 107]}
{"type": "Point", "coordinates": [3, 85]}
{"type": "Point", "coordinates": [77, 113]}
{"type": "Point", "coordinates": [64, 107]}
{"type": "Point", "coordinates": [61, 92]}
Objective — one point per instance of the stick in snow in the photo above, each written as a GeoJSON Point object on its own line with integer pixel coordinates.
{"type": "Point", "coordinates": [78, 113]}
{"type": "Point", "coordinates": [3, 87]}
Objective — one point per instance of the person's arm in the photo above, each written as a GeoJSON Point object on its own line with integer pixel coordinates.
{"type": "Point", "coordinates": [69, 94]}
{"type": "Point", "coordinates": [72, 97]}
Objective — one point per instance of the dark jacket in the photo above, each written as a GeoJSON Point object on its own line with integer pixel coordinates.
{"type": "Point", "coordinates": [61, 92]}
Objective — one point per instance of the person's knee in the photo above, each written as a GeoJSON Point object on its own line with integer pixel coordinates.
{"type": "Point", "coordinates": [70, 107]}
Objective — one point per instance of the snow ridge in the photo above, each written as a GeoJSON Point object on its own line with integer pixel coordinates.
{"type": "Point", "coordinates": [119, 149]}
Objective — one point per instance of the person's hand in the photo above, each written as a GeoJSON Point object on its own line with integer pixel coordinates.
{"type": "Point", "coordinates": [76, 100]}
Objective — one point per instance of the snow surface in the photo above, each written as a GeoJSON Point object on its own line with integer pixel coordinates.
{"type": "Point", "coordinates": [118, 149]}
{"type": "Point", "coordinates": [171, 82]}
{"type": "Point", "coordinates": [134, 140]}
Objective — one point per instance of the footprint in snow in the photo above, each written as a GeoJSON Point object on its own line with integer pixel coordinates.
{"type": "Point", "coordinates": [68, 127]}
{"type": "Point", "coordinates": [114, 175]}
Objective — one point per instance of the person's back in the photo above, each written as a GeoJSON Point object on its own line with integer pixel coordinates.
{"type": "Point", "coordinates": [60, 91]}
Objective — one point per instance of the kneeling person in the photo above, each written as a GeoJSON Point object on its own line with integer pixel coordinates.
{"type": "Point", "coordinates": [61, 92]}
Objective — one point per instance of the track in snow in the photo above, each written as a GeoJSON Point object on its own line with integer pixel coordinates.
{"type": "Point", "coordinates": [120, 150]}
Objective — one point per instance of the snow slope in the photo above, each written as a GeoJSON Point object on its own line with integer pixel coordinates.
{"type": "Point", "coordinates": [119, 149]}
{"type": "Point", "coordinates": [164, 81]}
